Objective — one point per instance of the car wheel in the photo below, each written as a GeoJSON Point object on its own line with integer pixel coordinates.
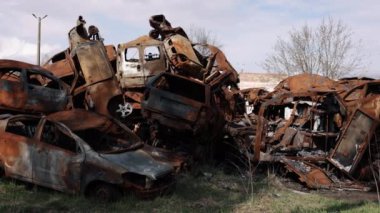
{"type": "Point", "coordinates": [106, 192]}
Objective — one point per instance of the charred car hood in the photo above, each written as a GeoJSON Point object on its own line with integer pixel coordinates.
{"type": "Point", "coordinates": [139, 162]}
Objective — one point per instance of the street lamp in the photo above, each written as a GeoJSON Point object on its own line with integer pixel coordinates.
{"type": "Point", "coordinates": [39, 37]}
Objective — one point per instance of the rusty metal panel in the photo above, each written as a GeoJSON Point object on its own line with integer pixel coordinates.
{"type": "Point", "coordinates": [12, 94]}
{"type": "Point", "coordinates": [17, 146]}
{"type": "Point", "coordinates": [175, 98]}
{"type": "Point", "coordinates": [61, 65]}
{"type": "Point", "coordinates": [353, 142]}
{"type": "Point", "coordinates": [15, 155]}
{"type": "Point", "coordinates": [93, 62]}
{"type": "Point", "coordinates": [181, 53]}
{"type": "Point", "coordinates": [306, 82]}
{"type": "Point", "coordinates": [310, 174]}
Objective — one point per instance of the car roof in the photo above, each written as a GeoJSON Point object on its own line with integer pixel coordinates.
{"type": "Point", "coordinates": [5, 63]}
{"type": "Point", "coordinates": [4, 119]}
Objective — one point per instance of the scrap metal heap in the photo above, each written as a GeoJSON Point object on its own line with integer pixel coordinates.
{"type": "Point", "coordinates": [324, 131]}
{"type": "Point", "coordinates": [320, 129]}
{"type": "Point", "coordinates": [175, 98]}
{"type": "Point", "coordinates": [301, 124]}
{"type": "Point", "coordinates": [189, 97]}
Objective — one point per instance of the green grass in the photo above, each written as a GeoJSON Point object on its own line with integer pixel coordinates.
{"type": "Point", "coordinates": [195, 192]}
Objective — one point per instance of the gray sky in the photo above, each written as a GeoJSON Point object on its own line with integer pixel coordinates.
{"type": "Point", "coordinates": [247, 29]}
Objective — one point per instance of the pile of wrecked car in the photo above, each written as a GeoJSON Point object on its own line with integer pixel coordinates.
{"type": "Point", "coordinates": [101, 120]}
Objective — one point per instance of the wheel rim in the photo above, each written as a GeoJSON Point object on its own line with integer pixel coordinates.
{"type": "Point", "coordinates": [125, 109]}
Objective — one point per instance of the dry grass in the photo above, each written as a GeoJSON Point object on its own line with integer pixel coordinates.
{"type": "Point", "coordinates": [195, 192]}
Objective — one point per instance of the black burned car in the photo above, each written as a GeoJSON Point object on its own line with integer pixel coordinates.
{"type": "Point", "coordinates": [178, 102]}
{"type": "Point", "coordinates": [80, 152]}
{"type": "Point", "coordinates": [22, 89]}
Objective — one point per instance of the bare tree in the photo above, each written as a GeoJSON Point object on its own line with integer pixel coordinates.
{"type": "Point", "coordinates": [198, 35]}
{"type": "Point", "coordinates": [327, 50]}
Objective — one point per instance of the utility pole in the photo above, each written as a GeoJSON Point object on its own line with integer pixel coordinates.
{"type": "Point", "coordinates": [39, 38]}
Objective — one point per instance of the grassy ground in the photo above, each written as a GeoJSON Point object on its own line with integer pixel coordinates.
{"type": "Point", "coordinates": [207, 190]}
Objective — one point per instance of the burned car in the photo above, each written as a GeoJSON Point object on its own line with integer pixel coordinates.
{"type": "Point", "coordinates": [22, 89]}
{"type": "Point", "coordinates": [78, 151]}
{"type": "Point", "coordinates": [185, 103]}
{"type": "Point", "coordinates": [86, 67]}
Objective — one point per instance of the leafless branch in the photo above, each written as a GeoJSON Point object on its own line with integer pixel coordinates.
{"type": "Point", "coordinates": [326, 50]}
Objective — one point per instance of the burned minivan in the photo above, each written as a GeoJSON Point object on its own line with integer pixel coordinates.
{"type": "Point", "coordinates": [78, 151]}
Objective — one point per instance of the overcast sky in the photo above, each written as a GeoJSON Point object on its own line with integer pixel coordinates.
{"type": "Point", "coordinates": [247, 29]}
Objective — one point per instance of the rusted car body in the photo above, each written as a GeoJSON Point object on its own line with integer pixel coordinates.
{"type": "Point", "coordinates": [22, 89]}
{"type": "Point", "coordinates": [178, 102]}
{"type": "Point", "coordinates": [78, 151]}
{"type": "Point", "coordinates": [188, 104]}
{"type": "Point", "coordinates": [86, 67]}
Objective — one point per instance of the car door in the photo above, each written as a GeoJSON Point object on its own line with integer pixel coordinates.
{"type": "Point", "coordinates": [130, 69]}
{"type": "Point", "coordinates": [154, 61]}
{"type": "Point", "coordinates": [44, 98]}
{"type": "Point", "coordinates": [17, 146]}
{"type": "Point", "coordinates": [58, 158]}
{"type": "Point", "coordinates": [353, 142]}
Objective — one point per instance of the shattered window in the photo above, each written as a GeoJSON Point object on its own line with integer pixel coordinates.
{"type": "Point", "coordinates": [115, 140]}
{"type": "Point", "coordinates": [132, 54]}
{"type": "Point", "coordinates": [23, 127]}
{"type": "Point", "coordinates": [353, 140]}
{"type": "Point", "coordinates": [373, 89]}
{"type": "Point", "coordinates": [33, 79]}
{"type": "Point", "coordinates": [37, 79]}
{"type": "Point", "coordinates": [55, 136]}
{"type": "Point", "coordinates": [151, 53]}
{"type": "Point", "coordinates": [10, 74]}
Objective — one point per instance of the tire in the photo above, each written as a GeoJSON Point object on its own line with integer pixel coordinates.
{"type": "Point", "coordinates": [105, 192]}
